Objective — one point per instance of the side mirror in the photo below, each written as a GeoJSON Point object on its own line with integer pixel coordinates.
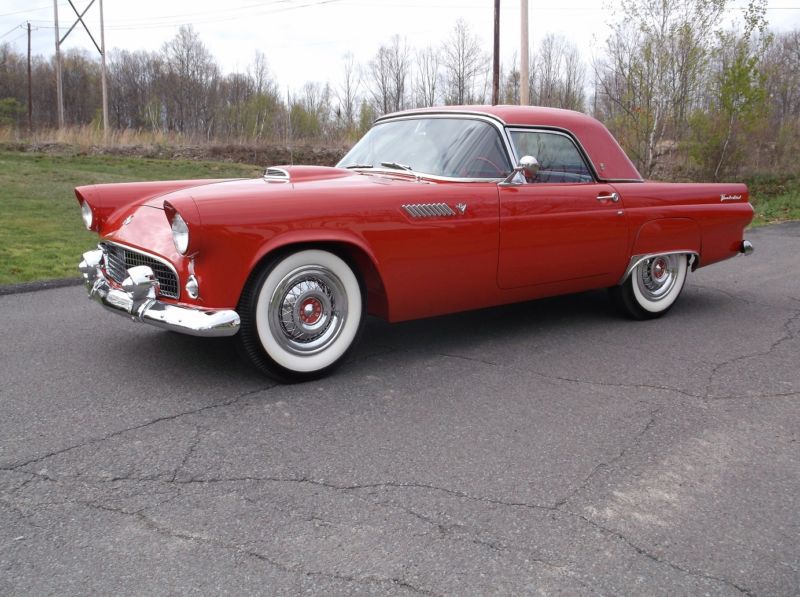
{"type": "Point", "coordinates": [528, 167]}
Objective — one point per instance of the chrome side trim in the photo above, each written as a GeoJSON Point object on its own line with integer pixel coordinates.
{"type": "Point", "coordinates": [694, 256]}
{"type": "Point", "coordinates": [428, 210]}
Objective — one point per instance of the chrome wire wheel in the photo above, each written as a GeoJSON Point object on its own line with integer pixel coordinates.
{"type": "Point", "coordinates": [308, 310]}
{"type": "Point", "coordinates": [656, 277]}
{"type": "Point", "coordinates": [654, 284]}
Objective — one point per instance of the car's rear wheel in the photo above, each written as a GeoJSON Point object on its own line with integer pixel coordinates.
{"type": "Point", "coordinates": [652, 287]}
{"type": "Point", "coordinates": [301, 314]}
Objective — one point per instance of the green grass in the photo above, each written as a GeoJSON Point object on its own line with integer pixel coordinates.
{"type": "Point", "coordinates": [776, 198]}
{"type": "Point", "coordinates": [41, 232]}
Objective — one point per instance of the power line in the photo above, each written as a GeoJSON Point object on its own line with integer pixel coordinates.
{"type": "Point", "coordinates": [24, 33]}
{"type": "Point", "coordinates": [27, 10]}
{"type": "Point", "coordinates": [214, 16]}
{"type": "Point", "coordinates": [274, 7]}
{"type": "Point", "coordinates": [10, 31]}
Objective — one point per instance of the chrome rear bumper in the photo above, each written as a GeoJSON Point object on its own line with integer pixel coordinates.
{"type": "Point", "coordinates": [137, 300]}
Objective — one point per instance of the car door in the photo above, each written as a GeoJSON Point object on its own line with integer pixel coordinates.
{"type": "Point", "coordinates": [563, 224]}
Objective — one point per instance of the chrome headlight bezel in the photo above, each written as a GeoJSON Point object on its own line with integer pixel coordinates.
{"type": "Point", "coordinates": [180, 233]}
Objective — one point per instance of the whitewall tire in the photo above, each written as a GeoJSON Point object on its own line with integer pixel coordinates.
{"type": "Point", "coordinates": [301, 314]}
{"type": "Point", "coordinates": [652, 287]}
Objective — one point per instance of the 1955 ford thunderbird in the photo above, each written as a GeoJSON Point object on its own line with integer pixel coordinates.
{"type": "Point", "coordinates": [433, 211]}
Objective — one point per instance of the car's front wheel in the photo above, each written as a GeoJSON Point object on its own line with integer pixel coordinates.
{"type": "Point", "coordinates": [652, 287]}
{"type": "Point", "coordinates": [301, 313]}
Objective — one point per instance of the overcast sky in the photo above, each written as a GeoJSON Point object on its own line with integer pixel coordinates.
{"type": "Point", "coordinates": [304, 40]}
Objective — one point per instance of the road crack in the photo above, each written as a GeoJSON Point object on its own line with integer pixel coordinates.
{"type": "Point", "coordinates": [663, 561]}
{"type": "Point", "coordinates": [572, 379]}
{"type": "Point", "coordinates": [607, 465]}
{"type": "Point", "coordinates": [297, 569]}
{"type": "Point", "coordinates": [788, 334]}
{"type": "Point", "coordinates": [98, 440]}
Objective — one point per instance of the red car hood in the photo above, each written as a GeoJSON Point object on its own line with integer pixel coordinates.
{"type": "Point", "coordinates": [306, 178]}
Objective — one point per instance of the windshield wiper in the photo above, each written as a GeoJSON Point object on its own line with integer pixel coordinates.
{"type": "Point", "coordinates": [358, 166]}
{"type": "Point", "coordinates": [397, 166]}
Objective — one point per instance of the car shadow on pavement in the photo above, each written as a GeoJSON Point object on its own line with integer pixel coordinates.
{"type": "Point", "coordinates": [531, 321]}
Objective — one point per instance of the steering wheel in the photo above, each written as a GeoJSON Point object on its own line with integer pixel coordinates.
{"type": "Point", "coordinates": [483, 160]}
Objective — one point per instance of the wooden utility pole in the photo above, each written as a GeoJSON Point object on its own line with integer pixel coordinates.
{"type": "Point", "coordinates": [59, 88]}
{"type": "Point", "coordinates": [30, 86]}
{"type": "Point", "coordinates": [496, 62]}
{"type": "Point", "coordinates": [524, 98]}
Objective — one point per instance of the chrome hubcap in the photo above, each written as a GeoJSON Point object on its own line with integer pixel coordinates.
{"type": "Point", "coordinates": [657, 276]}
{"type": "Point", "coordinates": [659, 268]}
{"type": "Point", "coordinates": [307, 310]}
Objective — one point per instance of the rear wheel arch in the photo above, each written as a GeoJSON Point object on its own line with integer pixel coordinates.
{"type": "Point", "coordinates": [668, 235]}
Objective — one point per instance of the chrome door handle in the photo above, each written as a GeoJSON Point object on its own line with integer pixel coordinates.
{"type": "Point", "coordinates": [613, 197]}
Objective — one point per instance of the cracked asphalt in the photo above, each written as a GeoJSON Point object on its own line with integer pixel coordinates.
{"type": "Point", "coordinates": [541, 448]}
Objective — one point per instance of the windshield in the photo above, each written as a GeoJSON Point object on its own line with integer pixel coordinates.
{"type": "Point", "coordinates": [449, 147]}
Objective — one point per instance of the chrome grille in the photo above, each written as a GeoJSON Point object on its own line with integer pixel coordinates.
{"type": "Point", "coordinates": [118, 259]}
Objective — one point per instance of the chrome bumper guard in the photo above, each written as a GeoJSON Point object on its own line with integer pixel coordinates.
{"type": "Point", "coordinates": [137, 300]}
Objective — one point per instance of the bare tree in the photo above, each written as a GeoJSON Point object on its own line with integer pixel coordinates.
{"type": "Point", "coordinates": [463, 61]}
{"type": "Point", "coordinates": [426, 82]}
{"type": "Point", "coordinates": [81, 80]}
{"type": "Point", "coordinates": [192, 75]}
{"type": "Point", "coordinates": [546, 78]}
{"type": "Point", "coordinates": [389, 72]}
{"type": "Point", "coordinates": [781, 64]}
{"type": "Point", "coordinates": [347, 93]}
{"type": "Point", "coordinates": [133, 78]}
{"type": "Point", "coordinates": [572, 94]}
{"type": "Point", "coordinates": [511, 81]}
{"type": "Point", "coordinates": [264, 110]}
{"type": "Point", "coordinates": [381, 81]}
{"type": "Point", "coordinates": [651, 71]}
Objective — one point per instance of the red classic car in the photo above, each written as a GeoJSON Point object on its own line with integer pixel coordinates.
{"type": "Point", "coordinates": [433, 211]}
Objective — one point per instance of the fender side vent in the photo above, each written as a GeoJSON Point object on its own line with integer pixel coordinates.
{"type": "Point", "coordinates": [428, 210]}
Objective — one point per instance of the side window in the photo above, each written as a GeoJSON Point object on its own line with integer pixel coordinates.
{"type": "Point", "coordinates": [559, 159]}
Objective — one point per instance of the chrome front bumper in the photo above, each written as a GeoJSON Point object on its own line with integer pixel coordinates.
{"type": "Point", "coordinates": [137, 299]}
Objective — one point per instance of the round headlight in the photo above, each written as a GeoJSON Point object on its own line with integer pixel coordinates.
{"type": "Point", "coordinates": [180, 233]}
{"type": "Point", "coordinates": [86, 214]}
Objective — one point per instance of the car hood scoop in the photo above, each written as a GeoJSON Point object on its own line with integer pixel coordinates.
{"type": "Point", "coordinates": [295, 174]}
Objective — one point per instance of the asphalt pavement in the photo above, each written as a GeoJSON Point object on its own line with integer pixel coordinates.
{"type": "Point", "coordinates": [546, 448]}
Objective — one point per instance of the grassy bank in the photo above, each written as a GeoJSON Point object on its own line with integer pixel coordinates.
{"type": "Point", "coordinates": [776, 198]}
{"type": "Point", "coordinates": [42, 235]}
{"type": "Point", "coordinates": [41, 232]}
